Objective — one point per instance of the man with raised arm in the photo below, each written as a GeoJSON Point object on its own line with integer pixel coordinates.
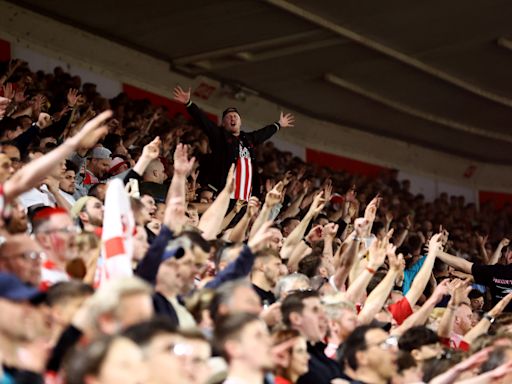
{"type": "Point", "coordinates": [230, 145]}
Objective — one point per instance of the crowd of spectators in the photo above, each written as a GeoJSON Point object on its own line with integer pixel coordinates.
{"type": "Point", "coordinates": [237, 262]}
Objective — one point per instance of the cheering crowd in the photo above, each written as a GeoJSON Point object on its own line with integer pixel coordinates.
{"type": "Point", "coordinates": [140, 246]}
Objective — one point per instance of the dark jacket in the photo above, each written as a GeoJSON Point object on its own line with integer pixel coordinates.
{"type": "Point", "coordinates": [321, 368]}
{"type": "Point", "coordinates": [225, 147]}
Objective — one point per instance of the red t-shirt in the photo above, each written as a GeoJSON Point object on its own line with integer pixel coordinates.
{"type": "Point", "coordinates": [400, 310]}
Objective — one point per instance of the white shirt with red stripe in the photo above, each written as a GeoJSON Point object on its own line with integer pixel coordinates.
{"type": "Point", "coordinates": [50, 275]}
{"type": "Point", "coordinates": [243, 175]}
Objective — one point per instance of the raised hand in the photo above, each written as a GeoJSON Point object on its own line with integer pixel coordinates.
{"type": "Point", "coordinates": [377, 254]}
{"type": "Point", "coordinates": [259, 240]}
{"type": "Point", "coordinates": [92, 131]}
{"type": "Point", "coordinates": [500, 306]}
{"type": "Point", "coordinates": [435, 244]}
{"type": "Point", "coordinates": [8, 91]}
{"type": "Point", "coordinates": [72, 97]}
{"type": "Point", "coordinates": [504, 242]}
{"type": "Point", "coordinates": [182, 165]}
{"type": "Point", "coordinates": [327, 189]}
{"type": "Point", "coordinates": [361, 227]}
{"type": "Point", "coordinates": [441, 290]}
{"type": "Point", "coordinates": [318, 204]}
{"type": "Point", "coordinates": [274, 196]}
{"type": "Point", "coordinates": [4, 103]}
{"type": "Point", "coordinates": [180, 95]}
{"type": "Point", "coordinates": [19, 95]}
{"type": "Point", "coordinates": [330, 230]}
{"type": "Point", "coordinates": [253, 206]}
{"type": "Point", "coordinates": [152, 150]}
{"type": "Point", "coordinates": [315, 234]}
{"type": "Point", "coordinates": [371, 209]}
{"type": "Point", "coordinates": [44, 120]}
{"type": "Point", "coordinates": [285, 120]}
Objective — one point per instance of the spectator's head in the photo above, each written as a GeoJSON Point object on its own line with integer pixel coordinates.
{"type": "Point", "coordinates": [17, 222]}
{"type": "Point", "coordinates": [149, 203]}
{"type": "Point", "coordinates": [65, 298]}
{"type": "Point", "coordinates": [290, 283]}
{"type": "Point", "coordinates": [6, 168]}
{"type": "Point", "coordinates": [288, 225]}
{"type": "Point", "coordinates": [67, 182]}
{"type": "Point", "coordinates": [231, 121]}
{"type": "Point", "coordinates": [292, 362]}
{"type": "Point", "coordinates": [21, 256]}
{"type": "Point", "coordinates": [10, 129]}
{"type": "Point", "coordinates": [477, 299]}
{"type": "Point", "coordinates": [118, 304]}
{"type": "Point", "coordinates": [89, 210]}
{"type": "Point", "coordinates": [463, 319]}
{"type": "Point", "coordinates": [421, 342]}
{"type": "Point", "coordinates": [162, 347]}
{"type": "Point", "coordinates": [55, 231]}
{"type": "Point", "coordinates": [244, 341]}
{"type": "Point", "coordinates": [185, 257]}
{"type": "Point", "coordinates": [237, 296]}
{"type": "Point", "coordinates": [304, 312]}
{"type": "Point", "coordinates": [266, 269]}
{"type": "Point", "coordinates": [195, 352]}
{"type": "Point", "coordinates": [341, 316]}
{"type": "Point", "coordinates": [155, 172]}
{"type": "Point", "coordinates": [98, 191]}
{"type": "Point", "coordinates": [99, 162]}
{"type": "Point", "coordinates": [13, 153]}
{"type": "Point", "coordinates": [118, 165]}
{"type": "Point", "coordinates": [107, 360]}
{"type": "Point", "coordinates": [371, 353]}
{"type": "Point", "coordinates": [276, 240]}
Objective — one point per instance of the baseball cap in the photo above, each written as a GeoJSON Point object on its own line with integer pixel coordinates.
{"type": "Point", "coordinates": [116, 163]}
{"type": "Point", "coordinates": [228, 110]}
{"type": "Point", "coordinates": [100, 153]}
{"type": "Point", "coordinates": [12, 288]}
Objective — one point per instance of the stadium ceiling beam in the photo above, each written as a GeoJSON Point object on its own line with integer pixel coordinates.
{"type": "Point", "coordinates": [390, 52]}
{"type": "Point", "coordinates": [233, 50]}
{"type": "Point", "coordinates": [403, 108]}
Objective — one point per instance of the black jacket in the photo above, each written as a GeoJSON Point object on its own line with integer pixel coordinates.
{"type": "Point", "coordinates": [321, 368]}
{"type": "Point", "coordinates": [225, 148]}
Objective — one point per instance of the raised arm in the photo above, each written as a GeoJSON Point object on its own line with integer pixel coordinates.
{"type": "Point", "coordinates": [239, 231]}
{"type": "Point", "coordinates": [497, 253]}
{"type": "Point", "coordinates": [211, 221]}
{"type": "Point", "coordinates": [31, 174]}
{"type": "Point", "coordinates": [298, 233]}
{"type": "Point", "coordinates": [483, 325]}
{"type": "Point", "coordinates": [421, 315]}
{"type": "Point", "coordinates": [379, 295]}
{"type": "Point", "coordinates": [150, 152]}
{"type": "Point", "coordinates": [454, 261]}
{"type": "Point", "coordinates": [174, 215]}
{"type": "Point", "coordinates": [183, 97]}
{"type": "Point", "coordinates": [421, 280]}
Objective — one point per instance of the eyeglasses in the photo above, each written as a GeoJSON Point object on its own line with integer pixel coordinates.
{"type": "Point", "coordinates": [390, 343]}
{"type": "Point", "coordinates": [68, 230]}
{"type": "Point", "coordinates": [33, 255]}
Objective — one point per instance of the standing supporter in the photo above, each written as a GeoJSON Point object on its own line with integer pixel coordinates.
{"type": "Point", "coordinates": [89, 211]}
{"type": "Point", "coordinates": [303, 311]}
{"type": "Point", "coordinates": [55, 231]}
{"type": "Point", "coordinates": [245, 343]}
{"type": "Point", "coordinates": [67, 186]}
{"type": "Point", "coordinates": [22, 256]}
{"type": "Point", "coordinates": [265, 273]}
{"type": "Point", "coordinates": [93, 169]}
{"type": "Point", "coordinates": [292, 362]}
{"type": "Point", "coordinates": [371, 355]}
{"type": "Point", "coordinates": [230, 145]}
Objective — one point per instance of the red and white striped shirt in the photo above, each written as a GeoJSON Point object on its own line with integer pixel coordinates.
{"type": "Point", "coordinates": [243, 175]}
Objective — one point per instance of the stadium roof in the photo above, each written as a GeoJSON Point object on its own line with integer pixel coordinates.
{"type": "Point", "coordinates": [434, 73]}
